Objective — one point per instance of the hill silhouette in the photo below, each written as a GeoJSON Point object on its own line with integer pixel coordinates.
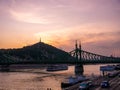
{"type": "Point", "coordinates": [38, 51]}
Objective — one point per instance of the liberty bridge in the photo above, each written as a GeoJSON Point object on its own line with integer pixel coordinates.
{"type": "Point", "coordinates": [78, 57]}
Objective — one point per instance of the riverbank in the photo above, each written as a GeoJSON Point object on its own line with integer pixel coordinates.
{"type": "Point", "coordinates": [96, 81]}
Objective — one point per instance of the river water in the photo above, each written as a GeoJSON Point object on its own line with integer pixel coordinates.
{"type": "Point", "coordinates": [40, 79]}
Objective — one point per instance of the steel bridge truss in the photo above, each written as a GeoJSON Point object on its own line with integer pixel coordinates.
{"type": "Point", "coordinates": [88, 57]}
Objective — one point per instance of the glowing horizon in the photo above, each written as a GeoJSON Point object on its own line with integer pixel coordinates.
{"type": "Point", "coordinates": [60, 22]}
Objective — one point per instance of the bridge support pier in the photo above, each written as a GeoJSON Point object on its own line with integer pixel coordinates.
{"type": "Point", "coordinates": [4, 68]}
{"type": "Point", "coordinates": [79, 69]}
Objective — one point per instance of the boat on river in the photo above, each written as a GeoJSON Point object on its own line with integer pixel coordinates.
{"type": "Point", "coordinates": [72, 81]}
{"type": "Point", "coordinates": [57, 67]}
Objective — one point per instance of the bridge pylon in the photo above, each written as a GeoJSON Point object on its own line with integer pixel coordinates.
{"type": "Point", "coordinates": [78, 67]}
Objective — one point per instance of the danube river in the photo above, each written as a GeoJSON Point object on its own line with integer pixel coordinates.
{"type": "Point", "coordinates": [40, 79]}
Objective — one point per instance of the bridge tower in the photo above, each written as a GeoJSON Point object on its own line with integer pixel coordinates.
{"type": "Point", "coordinates": [78, 67]}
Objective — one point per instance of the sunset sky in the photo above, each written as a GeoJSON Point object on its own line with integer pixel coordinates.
{"type": "Point", "coordinates": [96, 23]}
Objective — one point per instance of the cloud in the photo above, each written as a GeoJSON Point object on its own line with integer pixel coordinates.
{"type": "Point", "coordinates": [67, 36]}
{"type": "Point", "coordinates": [60, 22]}
{"type": "Point", "coordinates": [28, 17]}
{"type": "Point", "coordinates": [64, 12]}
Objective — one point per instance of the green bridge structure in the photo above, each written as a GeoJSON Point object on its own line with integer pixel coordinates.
{"type": "Point", "coordinates": [77, 57]}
